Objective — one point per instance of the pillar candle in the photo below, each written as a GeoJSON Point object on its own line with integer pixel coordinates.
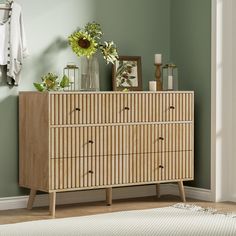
{"type": "Point", "coordinates": [170, 82]}
{"type": "Point", "coordinates": [152, 85]}
{"type": "Point", "coordinates": [72, 79]}
{"type": "Point", "coordinates": [158, 58]}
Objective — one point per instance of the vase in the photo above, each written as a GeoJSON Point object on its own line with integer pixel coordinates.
{"type": "Point", "coordinates": [90, 74]}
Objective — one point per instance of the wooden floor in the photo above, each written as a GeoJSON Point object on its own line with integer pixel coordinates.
{"type": "Point", "coordinates": [22, 215]}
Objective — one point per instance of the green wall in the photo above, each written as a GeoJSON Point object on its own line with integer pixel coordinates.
{"type": "Point", "coordinates": [138, 28]}
{"type": "Point", "coordinates": [191, 51]}
{"type": "Point", "coordinates": [180, 30]}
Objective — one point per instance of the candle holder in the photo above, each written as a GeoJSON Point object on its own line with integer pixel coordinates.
{"type": "Point", "coordinates": [159, 86]}
{"type": "Point", "coordinates": [72, 72]}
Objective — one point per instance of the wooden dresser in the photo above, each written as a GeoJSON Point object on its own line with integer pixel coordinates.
{"type": "Point", "coordinates": [88, 140]}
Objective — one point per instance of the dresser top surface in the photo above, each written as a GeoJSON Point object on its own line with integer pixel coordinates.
{"type": "Point", "coordinates": [106, 92]}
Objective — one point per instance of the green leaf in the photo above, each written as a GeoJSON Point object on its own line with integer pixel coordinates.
{"type": "Point", "coordinates": [39, 87]}
{"type": "Point", "coordinates": [132, 77]}
{"type": "Point", "coordinates": [65, 82]}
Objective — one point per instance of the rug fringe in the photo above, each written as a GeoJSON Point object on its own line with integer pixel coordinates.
{"type": "Point", "coordinates": [209, 210]}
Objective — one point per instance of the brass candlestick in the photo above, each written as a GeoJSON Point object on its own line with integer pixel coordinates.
{"type": "Point", "coordinates": [158, 77]}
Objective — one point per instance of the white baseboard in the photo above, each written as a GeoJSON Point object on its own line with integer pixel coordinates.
{"type": "Point", "coordinates": [190, 192]}
{"type": "Point", "coordinates": [99, 195]}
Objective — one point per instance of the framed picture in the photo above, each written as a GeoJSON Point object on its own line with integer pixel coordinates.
{"type": "Point", "coordinates": [127, 73]}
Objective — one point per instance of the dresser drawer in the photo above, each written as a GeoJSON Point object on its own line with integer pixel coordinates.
{"type": "Point", "coordinates": [175, 166]}
{"type": "Point", "coordinates": [152, 167]}
{"type": "Point", "coordinates": [156, 138]}
{"type": "Point", "coordinates": [87, 141]}
{"type": "Point", "coordinates": [91, 108]}
{"type": "Point", "coordinates": [134, 168]}
{"type": "Point", "coordinates": [119, 140]}
{"type": "Point", "coordinates": [79, 172]}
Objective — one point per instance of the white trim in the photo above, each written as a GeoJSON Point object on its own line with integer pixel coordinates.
{"type": "Point", "coordinates": [190, 192]}
{"type": "Point", "coordinates": [213, 99]}
{"type": "Point", "coordinates": [13, 202]}
{"type": "Point", "coordinates": [118, 193]}
{"type": "Point", "coordinates": [222, 100]}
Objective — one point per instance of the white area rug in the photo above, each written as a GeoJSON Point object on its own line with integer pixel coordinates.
{"type": "Point", "coordinates": [180, 219]}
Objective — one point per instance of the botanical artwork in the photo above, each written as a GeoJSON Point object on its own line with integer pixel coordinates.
{"type": "Point", "coordinates": [127, 73]}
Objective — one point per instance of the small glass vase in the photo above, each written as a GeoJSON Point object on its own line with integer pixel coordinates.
{"type": "Point", "coordinates": [90, 74]}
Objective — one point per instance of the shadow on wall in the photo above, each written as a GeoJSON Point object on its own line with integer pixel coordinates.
{"type": "Point", "coordinates": [47, 60]}
{"type": "Point", "coordinates": [9, 117]}
{"type": "Point", "coordinates": [42, 63]}
{"type": "Point", "coordinates": [9, 144]}
{"type": "Point", "coordinates": [3, 75]}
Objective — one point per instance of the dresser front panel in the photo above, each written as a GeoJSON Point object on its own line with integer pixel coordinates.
{"type": "Point", "coordinates": [72, 173]}
{"type": "Point", "coordinates": [92, 140]}
{"type": "Point", "coordinates": [156, 138]}
{"type": "Point", "coordinates": [102, 108]}
{"type": "Point", "coordinates": [152, 167]}
{"type": "Point", "coordinates": [119, 140]}
{"type": "Point", "coordinates": [80, 172]}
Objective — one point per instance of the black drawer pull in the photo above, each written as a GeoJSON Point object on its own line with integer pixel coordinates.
{"type": "Point", "coordinates": [161, 138]}
{"type": "Point", "coordinates": [127, 108]}
{"type": "Point", "coordinates": [161, 166]}
{"type": "Point", "coordinates": [172, 107]}
{"type": "Point", "coordinates": [91, 141]}
{"type": "Point", "coordinates": [77, 109]}
{"type": "Point", "coordinates": [91, 172]}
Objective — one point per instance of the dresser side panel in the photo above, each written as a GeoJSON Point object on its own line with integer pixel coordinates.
{"type": "Point", "coordinates": [34, 140]}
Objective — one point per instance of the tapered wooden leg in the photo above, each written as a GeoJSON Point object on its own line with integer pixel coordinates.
{"type": "Point", "coordinates": [158, 192]}
{"type": "Point", "coordinates": [52, 204]}
{"type": "Point", "coordinates": [181, 191]}
{"type": "Point", "coordinates": [109, 196]}
{"type": "Point", "coordinates": [31, 199]}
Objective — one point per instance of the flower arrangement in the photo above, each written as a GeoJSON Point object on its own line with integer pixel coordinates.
{"type": "Point", "coordinates": [87, 41]}
{"type": "Point", "coordinates": [50, 82]}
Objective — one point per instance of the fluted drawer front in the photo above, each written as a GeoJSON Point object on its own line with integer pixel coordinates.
{"type": "Point", "coordinates": [175, 165]}
{"type": "Point", "coordinates": [78, 172]}
{"type": "Point", "coordinates": [97, 171]}
{"type": "Point", "coordinates": [87, 141]}
{"type": "Point", "coordinates": [151, 167]}
{"type": "Point", "coordinates": [119, 140]}
{"type": "Point", "coordinates": [155, 138]}
{"type": "Point", "coordinates": [134, 168]}
{"type": "Point", "coordinates": [101, 108]}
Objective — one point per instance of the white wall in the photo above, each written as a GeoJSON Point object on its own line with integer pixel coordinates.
{"type": "Point", "coordinates": [223, 100]}
{"type": "Point", "coordinates": [233, 166]}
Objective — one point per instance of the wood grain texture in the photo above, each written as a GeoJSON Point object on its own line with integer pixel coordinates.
{"type": "Point", "coordinates": [31, 199]}
{"type": "Point", "coordinates": [109, 196]}
{"type": "Point", "coordinates": [52, 203]}
{"type": "Point", "coordinates": [34, 140]}
{"type": "Point", "coordinates": [91, 140]}
{"type": "Point", "coordinates": [88, 208]}
{"type": "Point", "coordinates": [181, 191]}
{"type": "Point", "coordinates": [71, 108]}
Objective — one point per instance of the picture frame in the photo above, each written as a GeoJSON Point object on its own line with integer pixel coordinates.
{"type": "Point", "coordinates": [127, 73]}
